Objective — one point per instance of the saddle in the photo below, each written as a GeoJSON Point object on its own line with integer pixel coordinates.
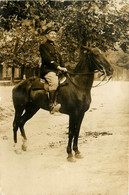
{"type": "Point", "coordinates": [40, 84]}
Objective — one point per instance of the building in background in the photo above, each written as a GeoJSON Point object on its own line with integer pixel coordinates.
{"type": "Point", "coordinates": [11, 73]}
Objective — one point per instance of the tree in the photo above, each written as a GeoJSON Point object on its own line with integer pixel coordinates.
{"type": "Point", "coordinates": [92, 23]}
{"type": "Point", "coordinates": [98, 23]}
{"type": "Point", "coordinates": [20, 41]}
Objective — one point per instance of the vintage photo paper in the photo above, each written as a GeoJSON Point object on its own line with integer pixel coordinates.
{"type": "Point", "coordinates": [64, 97]}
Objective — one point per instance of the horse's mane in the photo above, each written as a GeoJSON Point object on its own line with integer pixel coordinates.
{"type": "Point", "coordinates": [82, 64]}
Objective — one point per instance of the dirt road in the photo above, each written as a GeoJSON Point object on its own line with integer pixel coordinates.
{"type": "Point", "coordinates": [44, 170]}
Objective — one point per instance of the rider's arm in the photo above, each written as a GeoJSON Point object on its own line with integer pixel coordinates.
{"type": "Point", "coordinates": [47, 59]}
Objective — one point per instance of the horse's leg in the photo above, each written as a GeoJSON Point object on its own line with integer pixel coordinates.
{"type": "Point", "coordinates": [17, 116]}
{"type": "Point", "coordinates": [76, 135]}
{"type": "Point", "coordinates": [71, 135]}
{"type": "Point", "coordinates": [30, 111]}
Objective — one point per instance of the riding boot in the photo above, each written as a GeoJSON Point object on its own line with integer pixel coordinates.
{"type": "Point", "coordinates": [54, 107]}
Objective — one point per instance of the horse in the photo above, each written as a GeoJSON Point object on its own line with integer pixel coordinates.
{"type": "Point", "coordinates": [74, 95]}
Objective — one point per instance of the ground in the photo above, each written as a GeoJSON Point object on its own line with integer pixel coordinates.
{"type": "Point", "coordinates": [44, 170]}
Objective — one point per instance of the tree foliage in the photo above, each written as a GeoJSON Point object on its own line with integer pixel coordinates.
{"type": "Point", "coordinates": [92, 23]}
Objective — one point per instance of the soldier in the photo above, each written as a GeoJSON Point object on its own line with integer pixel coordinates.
{"type": "Point", "coordinates": [51, 64]}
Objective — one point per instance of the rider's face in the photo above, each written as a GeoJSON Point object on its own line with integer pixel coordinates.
{"type": "Point", "coordinates": [52, 35]}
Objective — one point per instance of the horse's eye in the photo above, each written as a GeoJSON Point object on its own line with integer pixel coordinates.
{"type": "Point", "coordinates": [96, 54]}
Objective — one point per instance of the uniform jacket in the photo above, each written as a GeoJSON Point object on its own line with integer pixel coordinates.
{"type": "Point", "coordinates": [51, 58]}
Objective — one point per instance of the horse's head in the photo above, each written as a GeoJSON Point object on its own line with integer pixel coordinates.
{"type": "Point", "coordinates": [97, 58]}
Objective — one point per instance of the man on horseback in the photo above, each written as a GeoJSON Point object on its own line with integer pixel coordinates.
{"type": "Point", "coordinates": [51, 64]}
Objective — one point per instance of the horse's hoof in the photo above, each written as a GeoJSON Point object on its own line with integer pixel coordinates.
{"type": "Point", "coordinates": [78, 156]}
{"type": "Point", "coordinates": [70, 158]}
{"type": "Point", "coordinates": [24, 148]}
{"type": "Point", "coordinates": [17, 151]}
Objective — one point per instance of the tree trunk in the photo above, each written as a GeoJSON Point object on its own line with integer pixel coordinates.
{"type": "Point", "coordinates": [1, 72]}
{"type": "Point", "coordinates": [22, 71]}
{"type": "Point", "coordinates": [12, 76]}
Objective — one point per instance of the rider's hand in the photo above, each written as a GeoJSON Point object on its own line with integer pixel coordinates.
{"type": "Point", "coordinates": [62, 68]}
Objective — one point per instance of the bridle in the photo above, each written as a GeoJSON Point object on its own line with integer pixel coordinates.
{"type": "Point", "coordinates": [99, 69]}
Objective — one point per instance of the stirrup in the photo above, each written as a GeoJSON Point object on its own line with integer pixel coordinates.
{"type": "Point", "coordinates": [56, 108]}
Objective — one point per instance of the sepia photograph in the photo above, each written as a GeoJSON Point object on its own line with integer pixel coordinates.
{"type": "Point", "coordinates": [64, 97]}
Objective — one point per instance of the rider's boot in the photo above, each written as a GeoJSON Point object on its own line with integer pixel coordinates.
{"type": "Point", "coordinates": [54, 107]}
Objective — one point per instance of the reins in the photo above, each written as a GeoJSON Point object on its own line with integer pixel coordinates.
{"type": "Point", "coordinates": [79, 73]}
{"type": "Point", "coordinates": [68, 75]}
{"type": "Point", "coordinates": [98, 85]}
{"type": "Point", "coordinates": [88, 73]}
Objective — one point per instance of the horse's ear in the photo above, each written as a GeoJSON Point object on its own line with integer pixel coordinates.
{"type": "Point", "coordinates": [87, 48]}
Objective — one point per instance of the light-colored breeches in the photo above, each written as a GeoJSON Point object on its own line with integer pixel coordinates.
{"type": "Point", "coordinates": [52, 80]}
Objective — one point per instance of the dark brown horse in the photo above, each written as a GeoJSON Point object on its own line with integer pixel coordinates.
{"type": "Point", "coordinates": [74, 97]}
